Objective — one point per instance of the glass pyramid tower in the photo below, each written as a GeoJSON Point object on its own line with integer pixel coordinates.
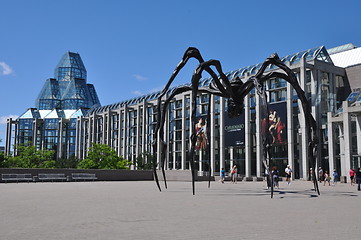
{"type": "Point", "coordinates": [68, 89]}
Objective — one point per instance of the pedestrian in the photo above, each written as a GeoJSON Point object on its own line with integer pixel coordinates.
{"type": "Point", "coordinates": [234, 174]}
{"type": "Point", "coordinates": [268, 179]}
{"type": "Point", "coordinates": [352, 176]}
{"type": "Point", "coordinates": [326, 178]}
{"type": "Point", "coordinates": [335, 177]}
{"type": "Point", "coordinates": [275, 176]}
{"type": "Point", "coordinates": [320, 174]}
{"type": "Point", "coordinates": [223, 175]}
{"type": "Point", "coordinates": [288, 172]}
{"type": "Point", "coordinates": [358, 178]}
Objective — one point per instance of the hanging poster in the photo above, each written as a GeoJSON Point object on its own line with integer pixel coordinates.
{"type": "Point", "coordinates": [277, 120]}
{"type": "Point", "coordinates": [234, 131]}
{"type": "Point", "coordinates": [201, 130]}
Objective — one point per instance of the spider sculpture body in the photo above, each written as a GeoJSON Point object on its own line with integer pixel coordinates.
{"type": "Point", "coordinates": [234, 91]}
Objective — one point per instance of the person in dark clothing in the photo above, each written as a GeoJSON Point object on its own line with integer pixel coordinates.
{"type": "Point", "coordinates": [275, 174]}
{"type": "Point", "coordinates": [358, 178]}
{"type": "Point", "coordinates": [268, 179]}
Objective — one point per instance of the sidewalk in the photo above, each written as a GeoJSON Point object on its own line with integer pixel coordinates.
{"type": "Point", "coordinates": [137, 210]}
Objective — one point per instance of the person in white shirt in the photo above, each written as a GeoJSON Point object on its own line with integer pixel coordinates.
{"type": "Point", "coordinates": [288, 172]}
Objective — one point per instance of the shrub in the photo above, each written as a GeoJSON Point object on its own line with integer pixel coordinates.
{"type": "Point", "coordinates": [101, 156]}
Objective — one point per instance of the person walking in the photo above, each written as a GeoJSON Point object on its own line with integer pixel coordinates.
{"type": "Point", "coordinates": [223, 175]}
{"type": "Point", "coordinates": [275, 176]}
{"type": "Point", "coordinates": [352, 176]}
{"type": "Point", "coordinates": [358, 178]}
{"type": "Point", "coordinates": [320, 174]}
{"type": "Point", "coordinates": [268, 179]}
{"type": "Point", "coordinates": [326, 178]}
{"type": "Point", "coordinates": [335, 177]}
{"type": "Point", "coordinates": [234, 174]}
{"type": "Point", "coordinates": [288, 172]}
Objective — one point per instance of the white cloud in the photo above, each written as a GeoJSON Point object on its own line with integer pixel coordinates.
{"type": "Point", "coordinates": [156, 89]}
{"type": "Point", "coordinates": [5, 69]}
{"type": "Point", "coordinates": [140, 93]}
{"type": "Point", "coordinates": [137, 92]}
{"type": "Point", "coordinates": [4, 118]}
{"type": "Point", "coordinates": [139, 77]}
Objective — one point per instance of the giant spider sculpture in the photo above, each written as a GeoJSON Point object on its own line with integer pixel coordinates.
{"type": "Point", "coordinates": [234, 91]}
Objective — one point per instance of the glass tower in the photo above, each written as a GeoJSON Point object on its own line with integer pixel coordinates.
{"type": "Point", "coordinates": [52, 123]}
{"type": "Point", "coordinates": [68, 89]}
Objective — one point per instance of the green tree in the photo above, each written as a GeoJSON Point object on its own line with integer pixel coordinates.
{"type": "Point", "coordinates": [101, 156]}
{"type": "Point", "coordinates": [144, 161]}
{"type": "Point", "coordinates": [71, 162]}
{"type": "Point", "coordinates": [2, 160]}
{"type": "Point", "coordinates": [29, 157]}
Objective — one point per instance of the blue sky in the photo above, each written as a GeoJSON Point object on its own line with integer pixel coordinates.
{"type": "Point", "coordinates": [130, 48]}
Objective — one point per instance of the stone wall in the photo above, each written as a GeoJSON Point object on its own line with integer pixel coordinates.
{"type": "Point", "coordinates": [102, 175]}
{"type": "Point", "coordinates": [354, 76]}
{"type": "Point", "coordinates": [112, 175]}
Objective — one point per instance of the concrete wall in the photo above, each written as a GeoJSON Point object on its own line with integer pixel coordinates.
{"type": "Point", "coordinates": [354, 76]}
{"type": "Point", "coordinates": [113, 175]}
{"type": "Point", "coordinates": [102, 175]}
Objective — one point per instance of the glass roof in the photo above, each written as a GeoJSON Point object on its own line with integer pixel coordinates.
{"type": "Point", "coordinates": [319, 53]}
{"type": "Point", "coordinates": [55, 114]}
{"type": "Point", "coordinates": [353, 96]}
{"type": "Point", "coordinates": [52, 114]}
{"type": "Point", "coordinates": [341, 48]}
{"type": "Point", "coordinates": [43, 113]}
{"type": "Point", "coordinates": [129, 102]}
{"type": "Point", "coordinates": [68, 90]}
{"type": "Point", "coordinates": [30, 113]}
{"type": "Point", "coordinates": [358, 100]}
{"type": "Point", "coordinates": [68, 113]}
{"type": "Point", "coordinates": [70, 67]}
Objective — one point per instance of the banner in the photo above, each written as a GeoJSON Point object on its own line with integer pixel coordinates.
{"type": "Point", "coordinates": [234, 131]}
{"type": "Point", "coordinates": [201, 133]}
{"type": "Point", "coordinates": [277, 120]}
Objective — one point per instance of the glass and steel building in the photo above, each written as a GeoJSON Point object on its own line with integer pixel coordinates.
{"type": "Point", "coordinates": [329, 77]}
{"type": "Point", "coordinates": [52, 123]}
{"type": "Point", "coordinates": [128, 126]}
{"type": "Point", "coordinates": [344, 125]}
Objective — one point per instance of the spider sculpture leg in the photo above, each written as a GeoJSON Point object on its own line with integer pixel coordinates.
{"type": "Point", "coordinates": [161, 121]}
{"type": "Point", "coordinates": [209, 142]}
{"type": "Point", "coordinates": [266, 138]}
{"type": "Point", "coordinates": [160, 131]}
{"type": "Point", "coordinates": [195, 88]}
{"type": "Point", "coordinates": [164, 109]}
{"type": "Point", "coordinates": [235, 92]}
{"type": "Point", "coordinates": [190, 53]}
{"type": "Point", "coordinates": [311, 125]}
{"type": "Point", "coordinates": [241, 90]}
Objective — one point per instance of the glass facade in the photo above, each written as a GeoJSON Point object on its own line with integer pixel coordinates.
{"type": "Point", "coordinates": [138, 118]}
{"type": "Point", "coordinates": [51, 129]}
{"type": "Point", "coordinates": [52, 124]}
{"type": "Point", "coordinates": [25, 131]}
{"type": "Point", "coordinates": [70, 67]}
{"type": "Point", "coordinates": [69, 89]}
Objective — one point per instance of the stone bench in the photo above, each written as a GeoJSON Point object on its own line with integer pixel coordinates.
{"type": "Point", "coordinates": [51, 177]}
{"type": "Point", "coordinates": [83, 176]}
{"type": "Point", "coordinates": [27, 177]}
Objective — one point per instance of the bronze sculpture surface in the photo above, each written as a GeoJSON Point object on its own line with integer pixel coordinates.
{"type": "Point", "coordinates": [234, 91]}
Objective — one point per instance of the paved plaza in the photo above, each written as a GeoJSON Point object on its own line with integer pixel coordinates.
{"type": "Point", "coordinates": [137, 210]}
